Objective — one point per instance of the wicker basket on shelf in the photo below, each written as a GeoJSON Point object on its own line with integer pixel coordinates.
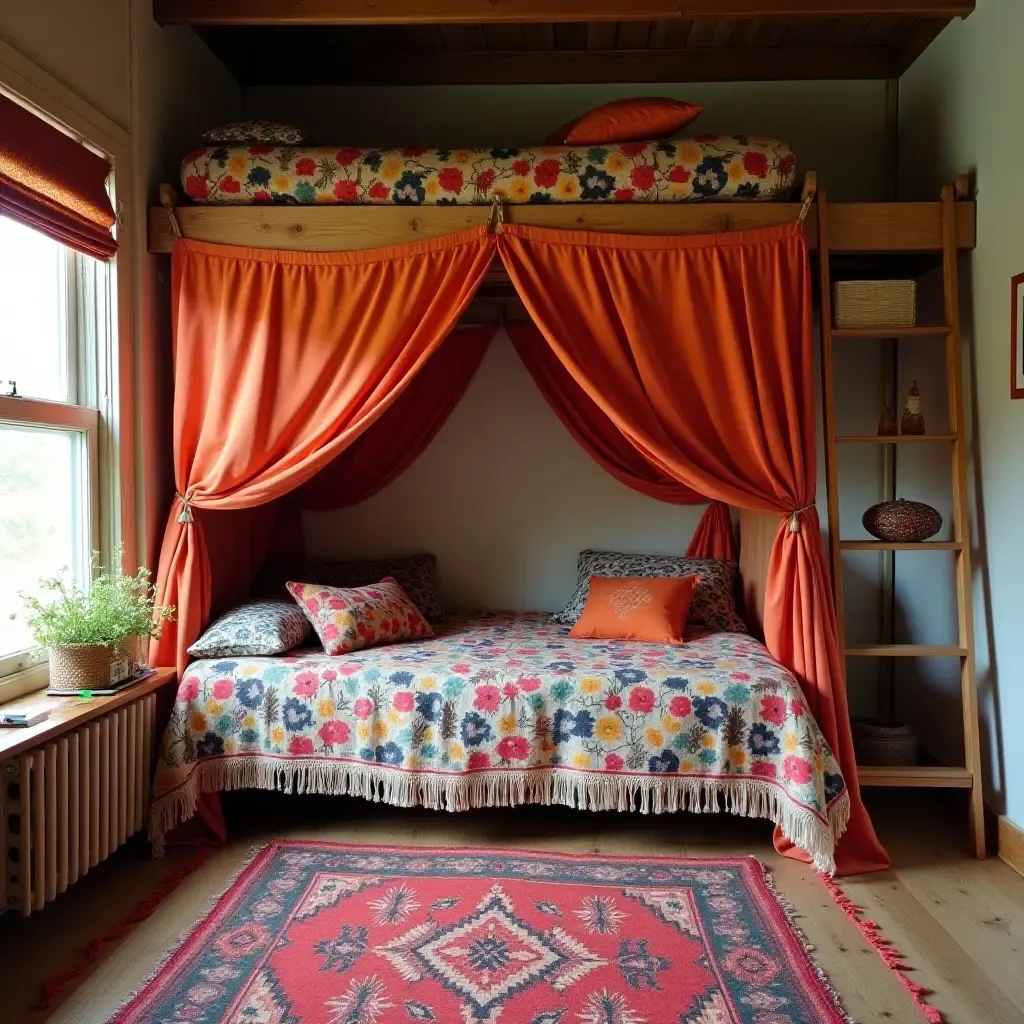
{"type": "Point", "coordinates": [884, 743]}
{"type": "Point", "coordinates": [872, 304]}
{"type": "Point", "coordinates": [902, 521]}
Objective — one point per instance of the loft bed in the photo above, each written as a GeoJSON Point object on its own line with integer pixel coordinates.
{"type": "Point", "coordinates": [864, 235]}
{"type": "Point", "coordinates": [935, 230]}
{"type": "Point", "coordinates": [878, 234]}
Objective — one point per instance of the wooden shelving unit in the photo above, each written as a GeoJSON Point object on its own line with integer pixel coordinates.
{"type": "Point", "coordinates": [968, 775]}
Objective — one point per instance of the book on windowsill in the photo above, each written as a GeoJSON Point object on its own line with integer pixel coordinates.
{"type": "Point", "coordinates": [24, 717]}
{"type": "Point", "coordinates": [106, 691]}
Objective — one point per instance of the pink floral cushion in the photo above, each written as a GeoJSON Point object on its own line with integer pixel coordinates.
{"type": "Point", "coordinates": [348, 619]}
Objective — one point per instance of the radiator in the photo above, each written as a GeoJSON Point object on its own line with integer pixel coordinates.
{"type": "Point", "coordinates": [70, 802]}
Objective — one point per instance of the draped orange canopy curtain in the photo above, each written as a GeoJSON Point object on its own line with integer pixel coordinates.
{"type": "Point", "coordinates": [602, 440]}
{"type": "Point", "coordinates": [282, 360]}
{"type": "Point", "coordinates": [700, 350]}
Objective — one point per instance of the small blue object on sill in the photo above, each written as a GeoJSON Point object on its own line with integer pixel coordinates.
{"type": "Point", "coordinates": [106, 691]}
{"type": "Point", "coordinates": [25, 717]}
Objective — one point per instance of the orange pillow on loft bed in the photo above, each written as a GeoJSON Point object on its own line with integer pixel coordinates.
{"type": "Point", "coordinates": [639, 119]}
{"type": "Point", "coordinates": [636, 608]}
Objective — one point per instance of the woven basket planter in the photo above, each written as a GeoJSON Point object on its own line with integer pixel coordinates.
{"type": "Point", "coordinates": [901, 521]}
{"type": "Point", "coordinates": [874, 304]}
{"type": "Point", "coordinates": [75, 667]}
{"type": "Point", "coordinates": [884, 743]}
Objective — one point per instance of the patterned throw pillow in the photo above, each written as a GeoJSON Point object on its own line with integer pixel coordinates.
{"type": "Point", "coordinates": [247, 133]}
{"type": "Point", "coordinates": [636, 608]}
{"type": "Point", "coordinates": [713, 604]}
{"type": "Point", "coordinates": [416, 574]}
{"type": "Point", "coordinates": [255, 628]}
{"type": "Point", "coordinates": [348, 619]}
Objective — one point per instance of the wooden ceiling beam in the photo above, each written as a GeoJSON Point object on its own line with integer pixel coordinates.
{"type": "Point", "coordinates": [384, 12]}
{"type": "Point", "coordinates": [557, 67]}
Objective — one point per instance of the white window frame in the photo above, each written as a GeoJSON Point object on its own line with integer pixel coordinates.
{"type": "Point", "coordinates": [101, 356]}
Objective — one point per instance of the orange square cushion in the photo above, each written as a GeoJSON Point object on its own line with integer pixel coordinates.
{"type": "Point", "coordinates": [640, 119]}
{"type": "Point", "coordinates": [637, 608]}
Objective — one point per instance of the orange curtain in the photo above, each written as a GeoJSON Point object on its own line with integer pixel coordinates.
{"type": "Point", "coordinates": [403, 432]}
{"type": "Point", "coordinates": [596, 433]}
{"type": "Point", "coordinates": [713, 537]}
{"type": "Point", "coordinates": [282, 360]}
{"type": "Point", "coordinates": [700, 350]}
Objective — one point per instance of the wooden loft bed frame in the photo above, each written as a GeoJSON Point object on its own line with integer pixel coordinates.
{"type": "Point", "coordinates": [854, 228]}
{"type": "Point", "coordinates": [935, 230]}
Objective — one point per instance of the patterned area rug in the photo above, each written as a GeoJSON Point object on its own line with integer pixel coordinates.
{"type": "Point", "coordinates": [323, 933]}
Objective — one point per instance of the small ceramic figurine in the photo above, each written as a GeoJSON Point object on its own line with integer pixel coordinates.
{"type": "Point", "coordinates": [913, 417]}
{"type": "Point", "coordinates": [887, 422]}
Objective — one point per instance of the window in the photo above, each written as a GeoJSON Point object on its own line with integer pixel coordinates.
{"type": "Point", "coordinates": [57, 494]}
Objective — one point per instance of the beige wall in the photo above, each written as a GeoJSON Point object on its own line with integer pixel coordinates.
{"type": "Point", "coordinates": [960, 111]}
{"type": "Point", "coordinates": [836, 128]}
{"type": "Point", "coordinates": [82, 43]}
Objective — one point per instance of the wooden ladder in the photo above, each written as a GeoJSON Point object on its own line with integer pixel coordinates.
{"type": "Point", "coordinates": [969, 775]}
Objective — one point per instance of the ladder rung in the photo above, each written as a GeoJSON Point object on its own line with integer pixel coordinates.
{"type": "Point", "coordinates": [906, 651]}
{"type": "Point", "coordinates": [886, 545]}
{"type": "Point", "coordinates": [893, 438]}
{"type": "Point", "coordinates": [927, 331]}
{"type": "Point", "coordinates": [914, 775]}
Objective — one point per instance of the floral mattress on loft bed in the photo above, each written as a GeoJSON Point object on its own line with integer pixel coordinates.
{"type": "Point", "coordinates": [504, 709]}
{"type": "Point", "coordinates": [706, 167]}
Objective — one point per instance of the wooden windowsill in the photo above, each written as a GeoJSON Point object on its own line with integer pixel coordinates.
{"type": "Point", "coordinates": [70, 712]}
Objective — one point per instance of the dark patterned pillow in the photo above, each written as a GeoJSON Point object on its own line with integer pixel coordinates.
{"type": "Point", "coordinates": [255, 628]}
{"type": "Point", "coordinates": [713, 604]}
{"type": "Point", "coordinates": [417, 575]}
{"type": "Point", "coordinates": [247, 133]}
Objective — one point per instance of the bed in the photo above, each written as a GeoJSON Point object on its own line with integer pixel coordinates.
{"type": "Point", "coordinates": [706, 167]}
{"type": "Point", "coordinates": [504, 709]}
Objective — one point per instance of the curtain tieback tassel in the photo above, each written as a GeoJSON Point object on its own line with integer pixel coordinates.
{"type": "Point", "coordinates": [497, 217]}
{"type": "Point", "coordinates": [185, 515]}
{"type": "Point", "coordinates": [794, 518]}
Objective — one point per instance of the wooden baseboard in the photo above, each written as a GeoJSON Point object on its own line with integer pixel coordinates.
{"type": "Point", "coordinates": [1011, 843]}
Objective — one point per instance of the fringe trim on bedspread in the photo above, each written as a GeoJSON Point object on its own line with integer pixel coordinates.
{"type": "Point", "coordinates": [748, 797]}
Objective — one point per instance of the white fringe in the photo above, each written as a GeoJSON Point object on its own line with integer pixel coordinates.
{"type": "Point", "coordinates": [211, 905]}
{"type": "Point", "coordinates": [746, 796]}
{"type": "Point", "coordinates": [791, 915]}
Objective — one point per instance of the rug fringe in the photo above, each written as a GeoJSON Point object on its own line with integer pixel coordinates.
{"type": "Point", "coordinates": [211, 905]}
{"type": "Point", "coordinates": [891, 956]}
{"type": "Point", "coordinates": [51, 990]}
{"type": "Point", "coordinates": [791, 916]}
{"type": "Point", "coordinates": [747, 797]}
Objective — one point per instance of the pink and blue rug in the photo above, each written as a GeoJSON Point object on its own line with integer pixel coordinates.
{"type": "Point", "coordinates": [322, 933]}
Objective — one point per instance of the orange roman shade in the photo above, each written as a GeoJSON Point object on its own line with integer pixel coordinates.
{"type": "Point", "coordinates": [52, 183]}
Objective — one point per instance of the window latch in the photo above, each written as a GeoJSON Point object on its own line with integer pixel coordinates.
{"type": "Point", "coordinates": [13, 393]}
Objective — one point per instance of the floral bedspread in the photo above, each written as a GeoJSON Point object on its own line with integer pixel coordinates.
{"type": "Point", "coordinates": [684, 170]}
{"type": "Point", "coordinates": [504, 709]}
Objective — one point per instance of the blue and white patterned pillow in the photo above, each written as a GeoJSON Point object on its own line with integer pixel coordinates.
{"type": "Point", "coordinates": [258, 627]}
{"type": "Point", "coordinates": [714, 601]}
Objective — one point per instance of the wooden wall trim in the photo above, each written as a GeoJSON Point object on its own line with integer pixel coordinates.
{"type": "Point", "coordinates": [399, 12]}
{"type": "Point", "coordinates": [757, 531]}
{"type": "Point", "coordinates": [1011, 843]}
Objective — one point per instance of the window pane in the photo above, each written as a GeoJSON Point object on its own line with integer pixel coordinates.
{"type": "Point", "coordinates": [33, 313]}
{"type": "Point", "coordinates": [43, 519]}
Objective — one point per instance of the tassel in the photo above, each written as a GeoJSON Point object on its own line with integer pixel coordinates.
{"type": "Point", "coordinates": [185, 516]}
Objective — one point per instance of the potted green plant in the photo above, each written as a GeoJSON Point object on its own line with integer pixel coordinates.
{"type": "Point", "coordinates": [90, 633]}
